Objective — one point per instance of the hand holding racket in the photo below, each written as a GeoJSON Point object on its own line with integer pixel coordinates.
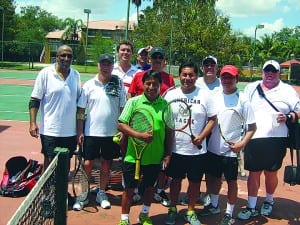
{"type": "Point", "coordinates": [80, 180]}
{"type": "Point", "coordinates": [177, 116]}
{"type": "Point", "coordinates": [141, 121]}
{"type": "Point", "coordinates": [231, 126]}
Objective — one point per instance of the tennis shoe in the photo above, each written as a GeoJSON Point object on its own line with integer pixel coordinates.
{"type": "Point", "coordinates": [124, 222]}
{"type": "Point", "coordinates": [192, 218]}
{"type": "Point", "coordinates": [136, 198]}
{"type": "Point", "coordinates": [79, 205]}
{"type": "Point", "coordinates": [266, 208]}
{"type": "Point", "coordinates": [227, 220]}
{"type": "Point", "coordinates": [102, 199]}
{"type": "Point", "coordinates": [248, 213]}
{"type": "Point", "coordinates": [162, 197]}
{"type": "Point", "coordinates": [210, 210]}
{"type": "Point", "coordinates": [144, 219]}
{"type": "Point", "coordinates": [171, 216]}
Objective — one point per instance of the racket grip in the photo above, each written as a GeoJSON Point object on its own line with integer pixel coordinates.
{"type": "Point", "coordinates": [137, 169]}
{"type": "Point", "coordinates": [198, 146]}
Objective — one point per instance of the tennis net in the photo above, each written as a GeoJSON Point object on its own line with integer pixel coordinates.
{"type": "Point", "coordinates": [46, 204]}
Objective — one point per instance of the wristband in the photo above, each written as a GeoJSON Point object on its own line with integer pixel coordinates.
{"type": "Point", "coordinates": [289, 117]}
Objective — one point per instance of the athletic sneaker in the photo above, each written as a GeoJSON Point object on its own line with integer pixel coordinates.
{"type": "Point", "coordinates": [163, 198]}
{"type": "Point", "coordinates": [144, 219]}
{"type": "Point", "coordinates": [136, 198]}
{"type": "Point", "coordinates": [248, 213]}
{"type": "Point", "coordinates": [266, 208]}
{"type": "Point", "coordinates": [172, 216]}
{"type": "Point", "coordinates": [204, 199]}
{"type": "Point", "coordinates": [79, 204]}
{"type": "Point", "coordinates": [102, 200]}
{"type": "Point", "coordinates": [210, 210]}
{"type": "Point", "coordinates": [227, 220]}
{"type": "Point", "coordinates": [124, 222]}
{"type": "Point", "coordinates": [192, 218]}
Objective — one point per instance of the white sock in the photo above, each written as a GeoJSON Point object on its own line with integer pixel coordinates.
{"type": "Point", "coordinates": [229, 209]}
{"type": "Point", "coordinates": [214, 199]}
{"type": "Point", "coordinates": [125, 217]}
{"type": "Point", "coordinates": [269, 198]}
{"type": "Point", "coordinates": [145, 209]}
{"type": "Point", "coordinates": [252, 202]}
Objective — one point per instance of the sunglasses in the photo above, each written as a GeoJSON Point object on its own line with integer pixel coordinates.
{"type": "Point", "coordinates": [270, 69]}
{"type": "Point", "coordinates": [157, 57]}
{"type": "Point", "coordinates": [70, 56]}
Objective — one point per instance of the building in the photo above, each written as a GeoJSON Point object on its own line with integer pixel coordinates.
{"type": "Point", "coordinates": [114, 29]}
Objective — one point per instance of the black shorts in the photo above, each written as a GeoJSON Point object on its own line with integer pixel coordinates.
{"type": "Point", "coordinates": [49, 143]}
{"type": "Point", "coordinates": [149, 173]}
{"type": "Point", "coordinates": [219, 164]}
{"type": "Point", "coordinates": [190, 166]}
{"type": "Point", "coordinates": [96, 147]}
{"type": "Point", "coordinates": [265, 153]}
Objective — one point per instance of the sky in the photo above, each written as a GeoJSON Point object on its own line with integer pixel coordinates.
{"type": "Point", "coordinates": [244, 14]}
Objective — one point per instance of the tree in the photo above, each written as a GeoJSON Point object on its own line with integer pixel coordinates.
{"type": "Point", "coordinates": [137, 3]}
{"type": "Point", "coordinates": [72, 28]}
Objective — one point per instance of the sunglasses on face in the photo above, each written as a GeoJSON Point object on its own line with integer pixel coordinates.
{"type": "Point", "coordinates": [270, 69]}
{"type": "Point", "coordinates": [70, 56]}
{"type": "Point", "coordinates": [157, 57]}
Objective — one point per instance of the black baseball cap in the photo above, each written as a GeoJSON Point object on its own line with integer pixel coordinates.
{"type": "Point", "coordinates": [107, 57]}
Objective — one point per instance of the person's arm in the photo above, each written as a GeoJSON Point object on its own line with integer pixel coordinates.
{"type": "Point", "coordinates": [34, 105]}
{"type": "Point", "coordinates": [80, 116]}
{"type": "Point", "coordinates": [238, 146]}
{"type": "Point", "coordinates": [206, 131]}
{"type": "Point", "coordinates": [169, 141]}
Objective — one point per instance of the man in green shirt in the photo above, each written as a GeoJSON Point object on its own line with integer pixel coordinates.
{"type": "Point", "coordinates": [158, 149]}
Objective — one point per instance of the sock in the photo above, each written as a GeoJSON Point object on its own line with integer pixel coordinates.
{"type": "Point", "coordinates": [145, 209]}
{"type": "Point", "coordinates": [229, 209]}
{"type": "Point", "coordinates": [158, 190]}
{"type": "Point", "coordinates": [252, 201]}
{"type": "Point", "coordinates": [269, 198]}
{"type": "Point", "coordinates": [125, 217]}
{"type": "Point", "coordinates": [214, 199]}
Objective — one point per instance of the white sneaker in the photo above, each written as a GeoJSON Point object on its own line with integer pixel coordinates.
{"type": "Point", "coordinates": [103, 200]}
{"type": "Point", "coordinates": [80, 202]}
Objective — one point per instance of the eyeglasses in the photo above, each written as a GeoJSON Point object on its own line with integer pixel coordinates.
{"type": "Point", "coordinates": [70, 56]}
{"type": "Point", "coordinates": [209, 64]}
{"type": "Point", "coordinates": [270, 69]}
{"type": "Point", "coordinates": [157, 57]}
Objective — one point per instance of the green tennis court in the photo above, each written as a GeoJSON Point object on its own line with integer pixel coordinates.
{"type": "Point", "coordinates": [14, 97]}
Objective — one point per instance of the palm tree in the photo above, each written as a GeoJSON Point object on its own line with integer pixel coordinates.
{"type": "Point", "coordinates": [72, 28]}
{"type": "Point", "coordinates": [137, 3]}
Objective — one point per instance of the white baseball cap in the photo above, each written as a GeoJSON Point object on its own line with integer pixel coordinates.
{"type": "Point", "coordinates": [273, 63]}
{"type": "Point", "coordinates": [210, 58]}
{"type": "Point", "coordinates": [141, 50]}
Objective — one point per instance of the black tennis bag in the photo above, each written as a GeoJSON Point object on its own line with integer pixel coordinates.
{"type": "Point", "coordinates": [20, 176]}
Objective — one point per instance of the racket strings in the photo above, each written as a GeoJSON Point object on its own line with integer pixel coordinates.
{"type": "Point", "coordinates": [231, 126]}
{"type": "Point", "coordinates": [178, 116]}
{"type": "Point", "coordinates": [140, 123]}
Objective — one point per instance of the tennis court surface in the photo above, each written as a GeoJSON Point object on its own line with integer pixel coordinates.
{"type": "Point", "coordinates": [15, 140]}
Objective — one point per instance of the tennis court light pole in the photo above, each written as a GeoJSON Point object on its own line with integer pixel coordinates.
{"type": "Point", "coordinates": [258, 26]}
{"type": "Point", "coordinates": [127, 20]}
{"type": "Point", "coordinates": [87, 11]}
{"type": "Point", "coordinates": [171, 41]}
{"type": "Point", "coordinates": [2, 33]}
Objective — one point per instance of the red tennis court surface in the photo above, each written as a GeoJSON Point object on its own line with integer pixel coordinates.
{"type": "Point", "coordinates": [15, 140]}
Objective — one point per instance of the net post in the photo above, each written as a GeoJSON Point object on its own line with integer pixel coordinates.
{"type": "Point", "coordinates": [61, 190]}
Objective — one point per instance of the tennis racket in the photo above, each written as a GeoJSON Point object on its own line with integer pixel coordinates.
{"type": "Point", "coordinates": [232, 127]}
{"type": "Point", "coordinates": [177, 116]}
{"type": "Point", "coordinates": [141, 121]}
{"type": "Point", "coordinates": [80, 180]}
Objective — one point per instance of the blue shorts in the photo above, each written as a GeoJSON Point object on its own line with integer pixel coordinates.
{"type": "Point", "coordinates": [96, 147]}
{"type": "Point", "coordinates": [149, 173]}
{"type": "Point", "coordinates": [219, 164]}
{"type": "Point", "coordinates": [49, 143]}
{"type": "Point", "coordinates": [265, 153]}
{"type": "Point", "coordinates": [190, 166]}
